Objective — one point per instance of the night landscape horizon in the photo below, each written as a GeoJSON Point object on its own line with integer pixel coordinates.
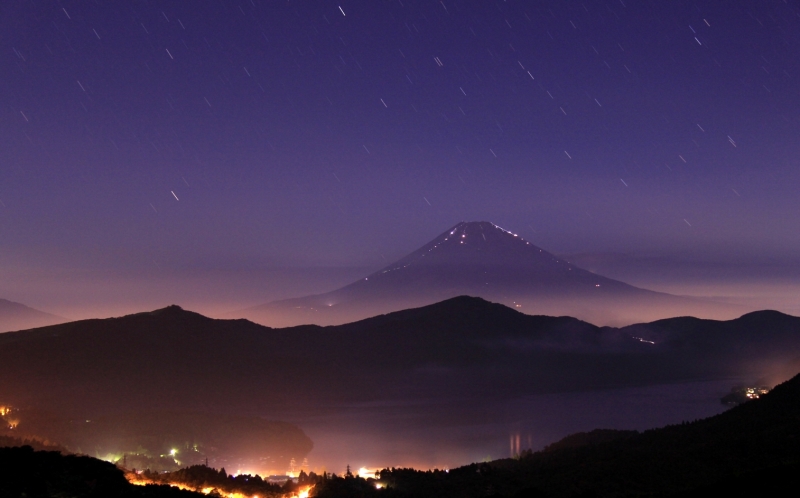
{"type": "Point", "coordinates": [399, 248]}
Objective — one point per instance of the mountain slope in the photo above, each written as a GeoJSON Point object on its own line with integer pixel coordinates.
{"type": "Point", "coordinates": [175, 351]}
{"type": "Point", "coordinates": [462, 347]}
{"type": "Point", "coordinates": [482, 259]}
{"type": "Point", "coordinates": [16, 316]}
{"type": "Point", "coordinates": [740, 449]}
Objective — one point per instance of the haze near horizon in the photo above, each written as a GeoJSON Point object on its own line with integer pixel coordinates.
{"type": "Point", "coordinates": [220, 156]}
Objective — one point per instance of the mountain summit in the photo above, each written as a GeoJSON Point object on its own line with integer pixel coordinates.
{"type": "Point", "coordinates": [482, 259]}
{"type": "Point", "coordinates": [481, 254]}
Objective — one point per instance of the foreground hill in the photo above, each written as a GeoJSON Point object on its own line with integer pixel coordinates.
{"type": "Point", "coordinates": [40, 474]}
{"type": "Point", "coordinates": [482, 259]}
{"type": "Point", "coordinates": [16, 316]}
{"type": "Point", "coordinates": [751, 449]}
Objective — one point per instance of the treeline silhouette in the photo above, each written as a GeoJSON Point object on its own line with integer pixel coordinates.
{"type": "Point", "coordinates": [29, 473]}
{"type": "Point", "coordinates": [35, 443]}
{"type": "Point", "coordinates": [201, 477]}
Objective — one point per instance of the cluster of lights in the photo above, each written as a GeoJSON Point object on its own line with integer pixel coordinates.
{"type": "Point", "coordinates": [365, 473]}
{"type": "Point", "coordinates": [141, 481]}
{"type": "Point", "coordinates": [504, 230]}
{"type": "Point", "coordinates": [756, 392]}
{"type": "Point", "coordinates": [397, 268]}
{"type": "Point", "coordinates": [6, 411]}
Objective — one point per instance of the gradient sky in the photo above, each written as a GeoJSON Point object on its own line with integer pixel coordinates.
{"type": "Point", "coordinates": [150, 137]}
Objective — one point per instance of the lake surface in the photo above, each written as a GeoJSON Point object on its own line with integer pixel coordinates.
{"type": "Point", "coordinates": [450, 433]}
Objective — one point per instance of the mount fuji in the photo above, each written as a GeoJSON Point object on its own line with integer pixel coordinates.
{"type": "Point", "coordinates": [482, 259]}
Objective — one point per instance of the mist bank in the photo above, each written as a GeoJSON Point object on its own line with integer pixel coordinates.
{"type": "Point", "coordinates": [85, 292]}
{"type": "Point", "coordinates": [482, 259]}
{"type": "Point", "coordinates": [477, 258]}
{"type": "Point", "coordinates": [78, 294]}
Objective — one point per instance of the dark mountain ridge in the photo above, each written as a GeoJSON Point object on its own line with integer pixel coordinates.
{"type": "Point", "coordinates": [160, 359]}
{"type": "Point", "coordinates": [748, 337]}
{"type": "Point", "coordinates": [482, 259]}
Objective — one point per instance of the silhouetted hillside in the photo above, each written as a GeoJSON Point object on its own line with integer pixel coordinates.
{"type": "Point", "coordinates": [45, 474]}
{"type": "Point", "coordinates": [761, 434]}
{"type": "Point", "coordinates": [175, 359]}
{"type": "Point", "coordinates": [751, 447]}
{"type": "Point", "coordinates": [482, 259]}
{"type": "Point", "coordinates": [596, 436]}
{"type": "Point", "coordinates": [16, 316]}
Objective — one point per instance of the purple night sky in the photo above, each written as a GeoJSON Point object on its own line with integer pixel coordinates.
{"type": "Point", "coordinates": [164, 151]}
